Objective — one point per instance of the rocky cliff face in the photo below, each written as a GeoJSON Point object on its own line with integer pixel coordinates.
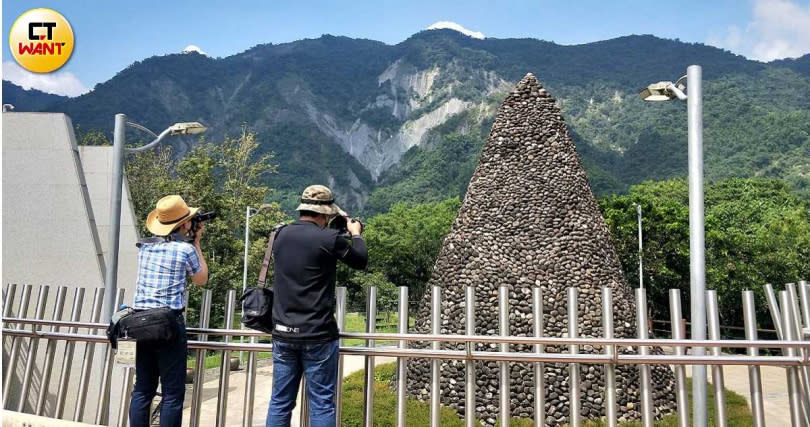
{"type": "Point", "coordinates": [417, 100]}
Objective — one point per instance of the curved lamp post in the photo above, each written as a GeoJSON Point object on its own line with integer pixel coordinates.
{"type": "Point", "coordinates": [640, 248]}
{"type": "Point", "coordinates": [249, 213]}
{"type": "Point", "coordinates": [119, 139]}
{"type": "Point", "coordinates": [664, 91]}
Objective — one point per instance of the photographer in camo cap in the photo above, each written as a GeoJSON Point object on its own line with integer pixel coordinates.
{"type": "Point", "coordinates": [305, 339]}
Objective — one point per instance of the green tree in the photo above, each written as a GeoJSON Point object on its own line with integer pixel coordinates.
{"type": "Point", "coordinates": [403, 244]}
{"type": "Point", "coordinates": [757, 232]}
{"type": "Point", "coordinates": [386, 291]}
{"type": "Point", "coordinates": [223, 177]}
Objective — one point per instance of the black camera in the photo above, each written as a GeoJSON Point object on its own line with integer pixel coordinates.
{"type": "Point", "coordinates": [340, 223]}
{"type": "Point", "coordinates": [197, 221]}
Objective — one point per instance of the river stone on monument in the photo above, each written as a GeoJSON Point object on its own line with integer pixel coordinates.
{"type": "Point", "coordinates": [529, 218]}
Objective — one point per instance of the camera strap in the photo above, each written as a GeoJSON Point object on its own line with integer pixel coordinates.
{"type": "Point", "coordinates": [174, 237]}
{"type": "Point", "coordinates": [268, 255]}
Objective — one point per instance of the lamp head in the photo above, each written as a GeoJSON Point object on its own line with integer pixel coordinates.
{"type": "Point", "coordinates": [661, 91]}
{"type": "Point", "coordinates": [657, 92]}
{"type": "Point", "coordinates": [187, 128]}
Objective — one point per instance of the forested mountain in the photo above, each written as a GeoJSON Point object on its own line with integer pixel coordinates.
{"type": "Point", "coordinates": [28, 100]}
{"type": "Point", "coordinates": [384, 123]}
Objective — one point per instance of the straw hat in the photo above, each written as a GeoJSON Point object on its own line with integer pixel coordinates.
{"type": "Point", "coordinates": [170, 212]}
{"type": "Point", "coordinates": [317, 198]}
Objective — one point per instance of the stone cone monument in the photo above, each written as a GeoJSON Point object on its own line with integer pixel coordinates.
{"type": "Point", "coordinates": [529, 219]}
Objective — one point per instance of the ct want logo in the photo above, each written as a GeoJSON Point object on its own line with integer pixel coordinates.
{"type": "Point", "coordinates": [41, 40]}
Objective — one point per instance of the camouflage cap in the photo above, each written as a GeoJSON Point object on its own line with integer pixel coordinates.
{"type": "Point", "coordinates": [318, 198]}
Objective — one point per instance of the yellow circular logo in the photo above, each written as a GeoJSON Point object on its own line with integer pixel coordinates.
{"type": "Point", "coordinates": [41, 40]}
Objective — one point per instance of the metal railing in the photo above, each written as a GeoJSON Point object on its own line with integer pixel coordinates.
{"type": "Point", "coordinates": [785, 310]}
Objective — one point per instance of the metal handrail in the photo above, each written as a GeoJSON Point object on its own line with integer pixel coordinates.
{"type": "Point", "coordinates": [597, 358]}
{"type": "Point", "coordinates": [460, 339]}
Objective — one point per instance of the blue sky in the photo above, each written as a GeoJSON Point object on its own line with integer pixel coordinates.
{"type": "Point", "coordinates": [111, 35]}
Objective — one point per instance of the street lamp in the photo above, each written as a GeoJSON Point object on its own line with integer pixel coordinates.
{"type": "Point", "coordinates": [248, 215]}
{"type": "Point", "coordinates": [663, 91]}
{"type": "Point", "coordinates": [119, 139]}
{"type": "Point", "coordinates": [640, 269]}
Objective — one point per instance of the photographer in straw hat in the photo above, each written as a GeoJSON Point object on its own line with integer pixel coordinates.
{"type": "Point", "coordinates": [305, 339]}
{"type": "Point", "coordinates": [164, 266]}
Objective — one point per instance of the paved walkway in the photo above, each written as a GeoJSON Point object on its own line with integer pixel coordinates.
{"type": "Point", "coordinates": [774, 390]}
{"type": "Point", "coordinates": [264, 380]}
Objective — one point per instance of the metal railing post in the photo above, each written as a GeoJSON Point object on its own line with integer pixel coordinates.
{"type": "Point", "coordinates": [341, 324]}
{"type": "Point", "coordinates": [33, 346]}
{"type": "Point", "coordinates": [469, 364]}
{"type": "Point", "coordinates": [67, 358]}
{"type": "Point", "coordinates": [8, 301]}
{"type": "Point", "coordinates": [126, 393]}
{"type": "Point", "coordinates": [303, 418]}
{"type": "Point", "coordinates": [10, 367]}
{"type": "Point", "coordinates": [773, 308]}
{"type": "Point", "coordinates": [199, 365]}
{"type": "Point", "coordinates": [681, 397]}
{"type": "Point", "coordinates": [793, 295]}
{"type": "Point", "coordinates": [610, 350]}
{"type": "Point", "coordinates": [804, 293]}
{"type": "Point", "coordinates": [225, 366]}
{"type": "Point", "coordinates": [50, 349]}
{"type": "Point", "coordinates": [804, 374]}
{"type": "Point", "coordinates": [435, 364]}
{"type": "Point", "coordinates": [250, 385]}
{"type": "Point", "coordinates": [573, 332]}
{"type": "Point", "coordinates": [717, 370]}
{"type": "Point", "coordinates": [402, 363]}
{"type": "Point", "coordinates": [87, 361]}
{"type": "Point", "coordinates": [505, 382]}
{"type": "Point", "coordinates": [754, 377]}
{"type": "Point", "coordinates": [794, 393]}
{"type": "Point", "coordinates": [647, 417]}
{"type": "Point", "coordinates": [103, 408]}
{"type": "Point", "coordinates": [368, 379]}
{"type": "Point", "coordinates": [539, 367]}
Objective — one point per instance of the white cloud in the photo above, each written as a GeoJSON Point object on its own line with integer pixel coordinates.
{"type": "Point", "coordinates": [58, 83]}
{"type": "Point", "coordinates": [453, 26]}
{"type": "Point", "coordinates": [779, 29]}
{"type": "Point", "coordinates": [193, 48]}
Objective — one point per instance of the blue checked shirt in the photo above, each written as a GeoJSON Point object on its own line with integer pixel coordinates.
{"type": "Point", "coordinates": [163, 269]}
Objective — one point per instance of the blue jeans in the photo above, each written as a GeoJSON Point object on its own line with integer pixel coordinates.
{"type": "Point", "coordinates": [167, 363]}
{"type": "Point", "coordinates": [318, 363]}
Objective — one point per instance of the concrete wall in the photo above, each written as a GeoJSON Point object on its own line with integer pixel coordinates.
{"type": "Point", "coordinates": [97, 165]}
{"type": "Point", "coordinates": [49, 232]}
{"type": "Point", "coordinates": [55, 225]}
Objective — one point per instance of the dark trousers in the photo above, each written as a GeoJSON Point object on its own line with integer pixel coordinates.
{"type": "Point", "coordinates": [166, 363]}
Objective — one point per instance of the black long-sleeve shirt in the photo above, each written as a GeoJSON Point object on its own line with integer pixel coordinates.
{"type": "Point", "coordinates": [305, 260]}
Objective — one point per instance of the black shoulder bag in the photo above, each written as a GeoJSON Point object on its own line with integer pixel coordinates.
{"type": "Point", "coordinates": [155, 325]}
{"type": "Point", "coordinates": [257, 302]}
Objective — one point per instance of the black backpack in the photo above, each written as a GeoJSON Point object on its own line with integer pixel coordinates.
{"type": "Point", "coordinates": [257, 302]}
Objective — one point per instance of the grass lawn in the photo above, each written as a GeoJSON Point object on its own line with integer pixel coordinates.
{"type": "Point", "coordinates": [356, 322]}
{"type": "Point", "coordinates": [737, 411]}
{"type": "Point", "coordinates": [418, 413]}
{"type": "Point", "coordinates": [385, 403]}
